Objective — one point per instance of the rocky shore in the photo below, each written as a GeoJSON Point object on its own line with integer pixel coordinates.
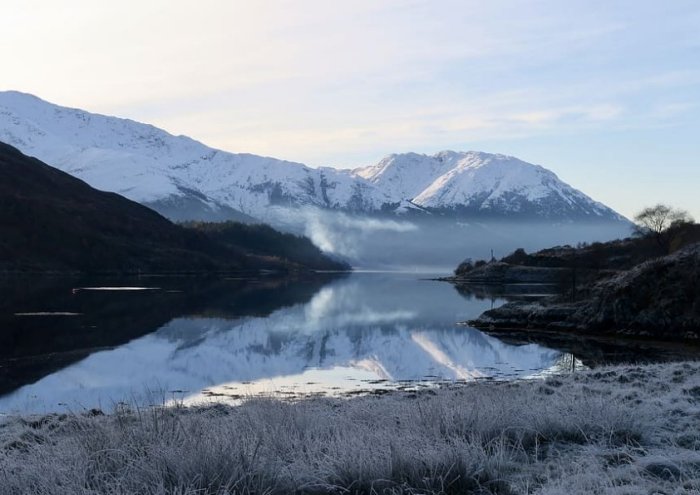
{"type": "Point", "coordinates": [499, 272]}
{"type": "Point", "coordinates": [657, 299]}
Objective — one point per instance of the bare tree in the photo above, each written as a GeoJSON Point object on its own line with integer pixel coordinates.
{"type": "Point", "coordinates": [659, 221]}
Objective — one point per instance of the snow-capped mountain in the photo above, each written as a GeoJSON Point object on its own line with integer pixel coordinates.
{"type": "Point", "coordinates": [476, 183]}
{"type": "Point", "coordinates": [172, 173]}
{"type": "Point", "coordinates": [185, 179]}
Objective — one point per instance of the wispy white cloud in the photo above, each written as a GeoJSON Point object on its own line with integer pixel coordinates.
{"type": "Point", "coordinates": [665, 111]}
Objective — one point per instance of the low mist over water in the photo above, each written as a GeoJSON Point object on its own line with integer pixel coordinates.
{"type": "Point", "coordinates": [430, 243]}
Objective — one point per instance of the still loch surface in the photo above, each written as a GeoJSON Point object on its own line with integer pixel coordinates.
{"type": "Point", "coordinates": [71, 344]}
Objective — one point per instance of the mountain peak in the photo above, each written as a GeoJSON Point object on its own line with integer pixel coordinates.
{"type": "Point", "coordinates": [26, 103]}
{"type": "Point", "coordinates": [186, 179]}
{"type": "Point", "coordinates": [11, 94]}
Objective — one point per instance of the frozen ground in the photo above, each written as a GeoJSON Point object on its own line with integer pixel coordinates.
{"type": "Point", "coordinates": [621, 430]}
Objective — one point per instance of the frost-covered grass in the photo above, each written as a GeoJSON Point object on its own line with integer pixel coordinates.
{"type": "Point", "coordinates": [622, 430]}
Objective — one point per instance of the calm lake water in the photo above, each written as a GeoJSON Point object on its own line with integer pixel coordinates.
{"type": "Point", "coordinates": [76, 344]}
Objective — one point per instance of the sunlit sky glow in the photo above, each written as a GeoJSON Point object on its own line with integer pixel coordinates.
{"type": "Point", "coordinates": [605, 94]}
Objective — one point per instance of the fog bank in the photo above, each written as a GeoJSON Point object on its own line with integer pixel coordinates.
{"type": "Point", "coordinates": [427, 243]}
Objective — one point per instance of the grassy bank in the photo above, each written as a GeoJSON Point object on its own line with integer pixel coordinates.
{"type": "Point", "coordinates": [616, 430]}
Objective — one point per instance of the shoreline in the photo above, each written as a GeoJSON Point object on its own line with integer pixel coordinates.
{"type": "Point", "coordinates": [591, 431]}
{"type": "Point", "coordinates": [596, 350]}
{"type": "Point", "coordinates": [655, 300]}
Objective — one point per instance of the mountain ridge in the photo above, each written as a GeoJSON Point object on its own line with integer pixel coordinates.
{"type": "Point", "coordinates": [188, 180]}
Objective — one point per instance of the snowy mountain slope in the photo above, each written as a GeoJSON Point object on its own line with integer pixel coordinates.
{"type": "Point", "coordinates": [151, 166]}
{"type": "Point", "coordinates": [405, 176]}
{"type": "Point", "coordinates": [185, 179]}
{"type": "Point", "coordinates": [476, 182]}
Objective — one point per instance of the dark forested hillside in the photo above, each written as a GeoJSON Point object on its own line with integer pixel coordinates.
{"type": "Point", "coordinates": [51, 221]}
{"type": "Point", "coordinates": [264, 240]}
{"type": "Point", "coordinates": [620, 254]}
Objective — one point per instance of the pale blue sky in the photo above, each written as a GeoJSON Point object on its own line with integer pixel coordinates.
{"type": "Point", "coordinates": [604, 93]}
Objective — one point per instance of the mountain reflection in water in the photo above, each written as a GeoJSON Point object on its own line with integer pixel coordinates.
{"type": "Point", "coordinates": [196, 339]}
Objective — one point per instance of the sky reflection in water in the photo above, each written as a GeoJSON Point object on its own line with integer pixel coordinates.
{"type": "Point", "coordinates": [359, 332]}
